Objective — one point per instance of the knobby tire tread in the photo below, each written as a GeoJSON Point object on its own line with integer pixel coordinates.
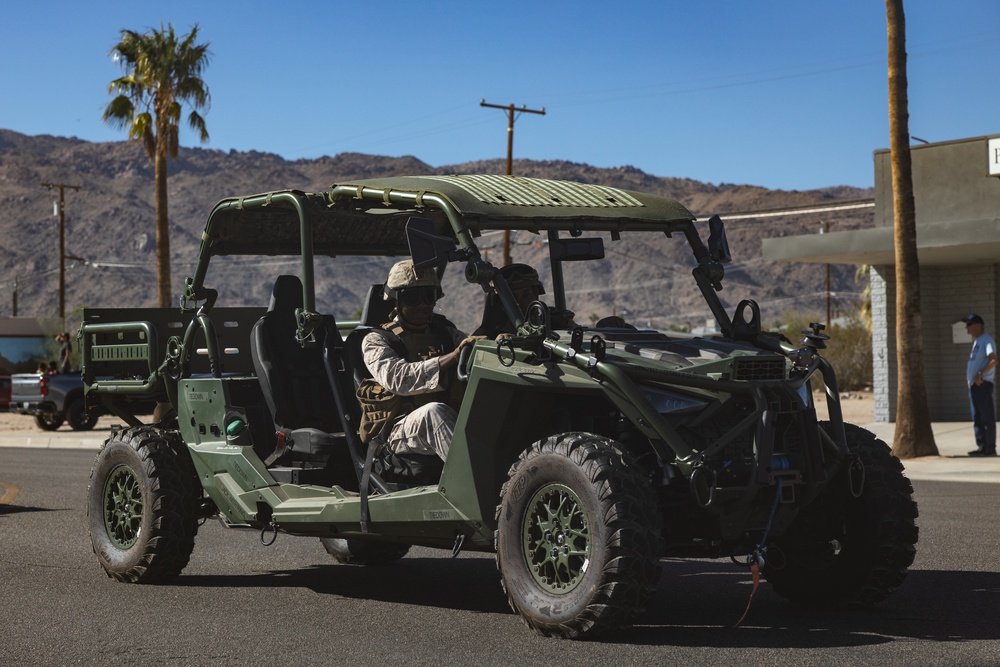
{"type": "Point", "coordinates": [173, 490]}
{"type": "Point", "coordinates": [889, 536]}
{"type": "Point", "coordinates": [631, 571]}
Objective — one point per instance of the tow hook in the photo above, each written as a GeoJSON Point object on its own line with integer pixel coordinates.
{"type": "Point", "coordinates": [755, 560]}
{"type": "Point", "coordinates": [856, 476]}
{"type": "Point", "coordinates": [702, 482]}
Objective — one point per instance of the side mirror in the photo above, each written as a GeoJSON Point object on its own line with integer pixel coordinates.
{"type": "Point", "coordinates": [426, 247]}
{"type": "Point", "coordinates": [718, 246]}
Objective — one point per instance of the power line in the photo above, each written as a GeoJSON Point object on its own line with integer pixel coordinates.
{"type": "Point", "coordinates": [800, 210]}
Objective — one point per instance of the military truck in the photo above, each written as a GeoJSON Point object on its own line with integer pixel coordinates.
{"type": "Point", "coordinates": [580, 457]}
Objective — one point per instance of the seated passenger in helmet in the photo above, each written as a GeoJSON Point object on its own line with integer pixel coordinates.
{"type": "Point", "coordinates": [526, 287]}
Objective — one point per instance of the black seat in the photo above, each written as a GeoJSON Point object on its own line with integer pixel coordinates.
{"type": "Point", "coordinates": [293, 378]}
{"type": "Point", "coordinates": [495, 320]}
{"type": "Point", "coordinates": [374, 313]}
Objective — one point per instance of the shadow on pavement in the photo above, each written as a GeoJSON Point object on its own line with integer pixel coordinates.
{"type": "Point", "coordinates": [697, 603]}
{"type": "Point", "coordinates": [20, 509]}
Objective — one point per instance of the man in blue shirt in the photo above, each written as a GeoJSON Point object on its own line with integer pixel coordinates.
{"type": "Point", "coordinates": [979, 374]}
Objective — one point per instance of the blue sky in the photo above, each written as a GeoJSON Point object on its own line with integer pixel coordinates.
{"type": "Point", "coordinates": [783, 94]}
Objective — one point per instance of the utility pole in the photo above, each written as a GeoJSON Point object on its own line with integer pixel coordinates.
{"type": "Point", "coordinates": [823, 229]}
{"type": "Point", "coordinates": [510, 109]}
{"type": "Point", "coordinates": [60, 213]}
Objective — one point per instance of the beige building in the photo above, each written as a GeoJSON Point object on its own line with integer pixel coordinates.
{"type": "Point", "coordinates": [956, 188]}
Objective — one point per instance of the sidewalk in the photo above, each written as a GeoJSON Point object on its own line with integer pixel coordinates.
{"type": "Point", "coordinates": [954, 441]}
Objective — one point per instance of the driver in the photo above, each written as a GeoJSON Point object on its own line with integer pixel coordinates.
{"type": "Point", "coordinates": [525, 286]}
{"type": "Point", "coordinates": [412, 360]}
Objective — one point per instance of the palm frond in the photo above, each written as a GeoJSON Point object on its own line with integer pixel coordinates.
{"type": "Point", "coordinates": [161, 74]}
{"type": "Point", "coordinates": [149, 141]}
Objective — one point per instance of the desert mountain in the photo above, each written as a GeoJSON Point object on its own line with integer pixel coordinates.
{"type": "Point", "coordinates": [110, 228]}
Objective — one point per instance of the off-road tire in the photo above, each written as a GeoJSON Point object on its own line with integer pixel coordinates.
{"type": "Point", "coordinates": [48, 421]}
{"type": "Point", "coordinates": [79, 418]}
{"type": "Point", "coordinates": [578, 536]}
{"type": "Point", "coordinates": [143, 505]}
{"type": "Point", "coordinates": [363, 552]}
{"type": "Point", "coordinates": [846, 551]}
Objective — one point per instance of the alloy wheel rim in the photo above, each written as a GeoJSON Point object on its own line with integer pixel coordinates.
{"type": "Point", "coordinates": [556, 538]}
{"type": "Point", "coordinates": [123, 507]}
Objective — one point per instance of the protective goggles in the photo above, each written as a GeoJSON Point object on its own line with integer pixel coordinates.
{"type": "Point", "coordinates": [516, 279]}
{"type": "Point", "coordinates": [414, 296]}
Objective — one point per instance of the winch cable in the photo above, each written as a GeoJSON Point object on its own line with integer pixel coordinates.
{"type": "Point", "coordinates": [756, 558]}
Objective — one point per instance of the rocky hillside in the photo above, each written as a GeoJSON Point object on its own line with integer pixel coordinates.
{"type": "Point", "coordinates": [109, 223]}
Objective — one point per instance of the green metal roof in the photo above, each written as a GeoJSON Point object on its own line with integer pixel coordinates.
{"type": "Point", "coordinates": [368, 217]}
{"type": "Point", "coordinates": [504, 199]}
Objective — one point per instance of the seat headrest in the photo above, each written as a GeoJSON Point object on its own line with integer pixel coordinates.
{"type": "Point", "coordinates": [375, 311]}
{"type": "Point", "coordinates": [286, 295]}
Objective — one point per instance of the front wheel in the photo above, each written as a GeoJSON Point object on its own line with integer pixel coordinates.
{"type": "Point", "coordinates": [143, 505]}
{"type": "Point", "coordinates": [842, 550]}
{"type": "Point", "coordinates": [577, 536]}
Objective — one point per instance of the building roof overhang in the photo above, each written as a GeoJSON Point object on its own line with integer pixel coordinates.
{"type": "Point", "coordinates": [942, 244]}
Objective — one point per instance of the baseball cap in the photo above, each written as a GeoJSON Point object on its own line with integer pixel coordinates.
{"type": "Point", "coordinates": [972, 319]}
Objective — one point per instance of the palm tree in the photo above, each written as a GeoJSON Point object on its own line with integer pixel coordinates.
{"type": "Point", "coordinates": [913, 434]}
{"type": "Point", "coordinates": [161, 73]}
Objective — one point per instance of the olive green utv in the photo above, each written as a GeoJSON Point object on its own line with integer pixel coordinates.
{"type": "Point", "coordinates": [580, 457]}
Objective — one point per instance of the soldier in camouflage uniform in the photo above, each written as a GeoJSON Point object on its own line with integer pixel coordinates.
{"type": "Point", "coordinates": [414, 356]}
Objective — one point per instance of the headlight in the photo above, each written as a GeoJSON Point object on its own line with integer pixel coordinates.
{"type": "Point", "coordinates": [667, 402]}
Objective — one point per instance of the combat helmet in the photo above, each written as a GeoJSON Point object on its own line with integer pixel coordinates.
{"type": "Point", "coordinates": [520, 275]}
{"type": "Point", "coordinates": [403, 275]}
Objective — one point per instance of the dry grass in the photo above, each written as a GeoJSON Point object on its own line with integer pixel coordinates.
{"type": "Point", "coordinates": [858, 406]}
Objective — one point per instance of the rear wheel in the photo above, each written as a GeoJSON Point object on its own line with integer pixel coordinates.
{"type": "Point", "coordinates": [48, 421]}
{"type": "Point", "coordinates": [79, 418]}
{"type": "Point", "coordinates": [843, 550]}
{"type": "Point", "coordinates": [143, 505]}
{"type": "Point", "coordinates": [363, 552]}
{"type": "Point", "coordinates": [577, 536]}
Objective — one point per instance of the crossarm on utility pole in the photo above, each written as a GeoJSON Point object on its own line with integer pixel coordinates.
{"type": "Point", "coordinates": [510, 109]}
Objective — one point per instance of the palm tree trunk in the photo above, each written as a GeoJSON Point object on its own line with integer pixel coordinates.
{"type": "Point", "coordinates": [913, 434]}
{"type": "Point", "coordinates": [162, 227]}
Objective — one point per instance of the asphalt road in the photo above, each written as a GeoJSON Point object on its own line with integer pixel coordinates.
{"type": "Point", "coordinates": [241, 602]}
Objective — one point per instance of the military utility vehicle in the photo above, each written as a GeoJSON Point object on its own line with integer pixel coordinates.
{"type": "Point", "coordinates": [581, 457]}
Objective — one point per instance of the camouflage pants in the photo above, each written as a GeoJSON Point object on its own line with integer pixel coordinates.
{"type": "Point", "coordinates": [426, 430]}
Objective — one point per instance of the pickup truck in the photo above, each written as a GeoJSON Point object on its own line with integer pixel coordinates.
{"type": "Point", "coordinates": [52, 398]}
